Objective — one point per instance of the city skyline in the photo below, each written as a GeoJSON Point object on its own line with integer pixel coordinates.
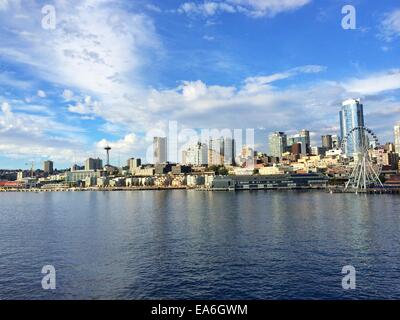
{"type": "Point", "coordinates": [104, 92]}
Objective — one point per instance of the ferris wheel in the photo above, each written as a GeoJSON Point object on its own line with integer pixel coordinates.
{"type": "Point", "coordinates": [365, 173]}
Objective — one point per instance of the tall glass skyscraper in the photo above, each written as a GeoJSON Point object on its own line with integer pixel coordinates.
{"type": "Point", "coordinates": [160, 148]}
{"type": "Point", "coordinates": [351, 116]}
{"type": "Point", "coordinates": [277, 144]}
{"type": "Point", "coordinates": [397, 138]}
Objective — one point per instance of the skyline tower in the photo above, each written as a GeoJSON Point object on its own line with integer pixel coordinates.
{"type": "Point", "coordinates": [397, 138]}
{"type": "Point", "coordinates": [277, 144]}
{"type": "Point", "coordinates": [159, 150]}
{"type": "Point", "coordinates": [108, 148]}
{"type": "Point", "coordinates": [351, 116]}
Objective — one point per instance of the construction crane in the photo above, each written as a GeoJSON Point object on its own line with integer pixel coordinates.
{"type": "Point", "coordinates": [32, 164]}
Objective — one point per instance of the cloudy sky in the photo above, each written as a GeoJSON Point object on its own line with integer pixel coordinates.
{"type": "Point", "coordinates": [115, 72]}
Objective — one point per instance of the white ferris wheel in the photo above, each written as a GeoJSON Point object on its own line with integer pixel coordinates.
{"type": "Point", "coordinates": [365, 173]}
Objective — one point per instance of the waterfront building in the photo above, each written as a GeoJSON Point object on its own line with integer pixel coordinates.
{"type": "Point", "coordinates": [277, 144]}
{"type": "Point", "coordinates": [82, 175]}
{"type": "Point", "coordinates": [93, 164]}
{"type": "Point", "coordinates": [262, 182]}
{"type": "Point", "coordinates": [327, 142]}
{"type": "Point", "coordinates": [163, 168]}
{"type": "Point", "coordinates": [179, 169]}
{"type": "Point", "coordinates": [48, 167]}
{"type": "Point", "coordinates": [397, 138]}
{"type": "Point", "coordinates": [351, 116]}
{"type": "Point", "coordinates": [20, 175]}
{"type": "Point", "coordinates": [144, 171]}
{"type": "Point", "coordinates": [160, 148]}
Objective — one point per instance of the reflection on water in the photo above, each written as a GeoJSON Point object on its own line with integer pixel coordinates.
{"type": "Point", "coordinates": [199, 245]}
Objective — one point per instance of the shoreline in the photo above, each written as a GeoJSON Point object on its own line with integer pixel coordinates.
{"type": "Point", "coordinates": [153, 188]}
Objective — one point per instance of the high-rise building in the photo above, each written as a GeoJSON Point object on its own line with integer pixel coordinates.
{"type": "Point", "coordinates": [352, 116]}
{"type": "Point", "coordinates": [216, 151]}
{"type": "Point", "coordinates": [48, 166]}
{"type": "Point", "coordinates": [397, 138]}
{"type": "Point", "coordinates": [160, 148]}
{"type": "Point", "coordinates": [306, 135]}
{"type": "Point", "coordinates": [327, 142]}
{"type": "Point", "coordinates": [335, 142]}
{"type": "Point", "coordinates": [277, 144]}
{"type": "Point", "coordinates": [196, 155]}
{"type": "Point", "coordinates": [93, 164]}
{"type": "Point", "coordinates": [134, 163]}
{"type": "Point", "coordinates": [221, 151]}
{"type": "Point", "coordinates": [229, 151]}
{"type": "Point", "coordinates": [301, 139]}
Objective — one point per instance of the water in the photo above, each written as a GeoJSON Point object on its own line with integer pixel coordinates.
{"type": "Point", "coordinates": [199, 245]}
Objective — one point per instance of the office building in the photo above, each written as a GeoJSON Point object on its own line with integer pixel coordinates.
{"type": "Point", "coordinates": [134, 163]}
{"type": "Point", "coordinates": [48, 166]}
{"type": "Point", "coordinates": [221, 151]}
{"type": "Point", "coordinates": [277, 144]}
{"type": "Point", "coordinates": [196, 155]}
{"type": "Point", "coordinates": [93, 164]}
{"type": "Point", "coordinates": [327, 142]}
{"type": "Point", "coordinates": [352, 116]}
{"type": "Point", "coordinates": [397, 138]}
{"type": "Point", "coordinates": [160, 148]}
{"type": "Point", "coordinates": [229, 151]}
{"type": "Point", "coordinates": [305, 134]}
{"type": "Point", "coordinates": [299, 139]}
{"type": "Point", "coordinates": [335, 142]}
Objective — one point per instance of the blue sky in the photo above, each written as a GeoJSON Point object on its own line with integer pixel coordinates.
{"type": "Point", "coordinates": [115, 72]}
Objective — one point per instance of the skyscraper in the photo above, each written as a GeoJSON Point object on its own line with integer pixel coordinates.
{"type": "Point", "coordinates": [229, 151]}
{"type": "Point", "coordinates": [134, 163]}
{"type": "Point", "coordinates": [160, 150]}
{"type": "Point", "coordinates": [397, 138]}
{"type": "Point", "coordinates": [277, 144]}
{"type": "Point", "coordinates": [48, 166]}
{"type": "Point", "coordinates": [196, 155]}
{"type": "Point", "coordinates": [306, 135]}
{"type": "Point", "coordinates": [327, 142]}
{"type": "Point", "coordinates": [351, 116]}
{"type": "Point", "coordinates": [93, 164]}
{"type": "Point", "coordinates": [221, 151]}
{"type": "Point", "coordinates": [216, 151]}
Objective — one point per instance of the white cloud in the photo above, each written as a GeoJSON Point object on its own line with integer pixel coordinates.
{"type": "Point", "coordinates": [391, 25]}
{"type": "Point", "coordinates": [68, 95]}
{"type": "Point", "coordinates": [41, 94]}
{"type": "Point", "coordinates": [208, 38]}
{"type": "Point", "coordinates": [85, 106]}
{"type": "Point", "coordinates": [254, 8]}
{"type": "Point", "coordinates": [374, 84]}
{"type": "Point", "coordinates": [153, 8]}
{"type": "Point", "coordinates": [38, 136]}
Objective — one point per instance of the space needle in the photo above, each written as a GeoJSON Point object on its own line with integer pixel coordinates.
{"type": "Point", "coordinates": [108, 148]}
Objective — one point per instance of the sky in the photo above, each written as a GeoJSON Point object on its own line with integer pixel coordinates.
{"type": "Point", "coordinates": [118, 72]}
